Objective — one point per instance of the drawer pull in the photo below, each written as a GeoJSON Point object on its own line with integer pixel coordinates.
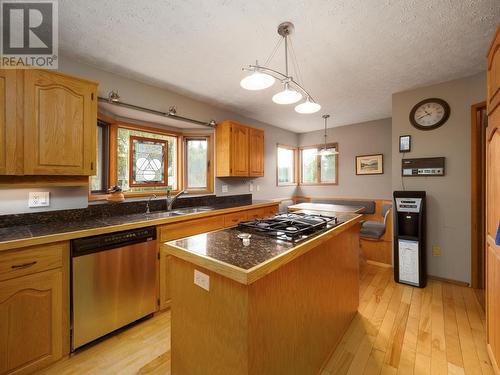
{"type": "Point", "coordinates": [24, 265]}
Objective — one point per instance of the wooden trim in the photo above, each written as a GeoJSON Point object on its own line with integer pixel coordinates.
{"type": "Point", "coordinates": [378, 264]}
{"type": "Point", "coordinates": [149, 129]}
{"type": "Point", "coordinates": [449, 281]}
{"type": "Point", "coordinates": [295, 165]}
{"type": "Point", "coordinates": [133, 138]}
{"type": "Point", "coordinates": [318, 165]}
{"type": "Point", "coordinates": [478, 183]}
{"type": "Point", "coordinates": [494, 363]}
{"type": "Point", "coordinates": [13, 182]}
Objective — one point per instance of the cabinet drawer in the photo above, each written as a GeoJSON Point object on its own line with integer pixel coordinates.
{"type": "Point", "coordinates": [30, 260]}
{"type": "Point", "coordinates": [256, 213]}
{"type": "Point", "coordinates": [271, 210]}
{"type": "Point", "coordinates": [191, 227]}
{"type": "Point", "coordinates": [234, 218]}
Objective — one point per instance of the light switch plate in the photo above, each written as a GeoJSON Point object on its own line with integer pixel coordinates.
{"type": "Point", "coordinates": [250, 186]}
{"type": "Point", "coordinates": [39, 199]}
{"type": "Point", "coordinates": [224, 189]}
{"type": "Point", "coordinates": [202, 280]}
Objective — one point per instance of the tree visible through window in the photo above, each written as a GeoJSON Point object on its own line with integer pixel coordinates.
{"type": "Point", "coordinates": [197, 163]}
{"type": "Point", "coordinates": [317, 168]}
{"type": "Point", "coordinates": [286, 165]}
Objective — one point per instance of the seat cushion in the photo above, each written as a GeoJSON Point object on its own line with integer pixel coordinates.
{"type": "Point", "coordinates": [372, 229]}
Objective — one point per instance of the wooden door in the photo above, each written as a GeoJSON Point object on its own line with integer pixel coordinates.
{"type": "Point", "coordinates": [10, 124]}
{"type": "Point", "coordinates": [239, 150]}
{"type": "Point", "coordinates": [256, 152]}
{"type": "Point", "coordinates": [493, 200]}
{"type": "Point", "coordinates": [60, 131]}
{"type": "Point", "coordinates": [31, 322]}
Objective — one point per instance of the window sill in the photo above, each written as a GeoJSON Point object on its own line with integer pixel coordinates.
{"type": "Point", "coordinates": [286, 184]}
{"type": "Point", "coordinates": [320, 184]}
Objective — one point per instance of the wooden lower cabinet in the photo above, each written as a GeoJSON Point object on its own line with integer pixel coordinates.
{"type": "Point", "coordinates": [31, 322]}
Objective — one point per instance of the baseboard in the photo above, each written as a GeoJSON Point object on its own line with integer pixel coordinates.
{"type": "Point", "coordinates": [380, 264]}
{"type": "Point", "coordinates": [496, 370]}
{"type": "Point", "coordinates": [450, 281]}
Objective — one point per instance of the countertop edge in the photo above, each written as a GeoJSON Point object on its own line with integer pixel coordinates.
{"type": "Point", "coordinates": [40, 240]}
{"type": "Point", "coordinates": [253, 274]}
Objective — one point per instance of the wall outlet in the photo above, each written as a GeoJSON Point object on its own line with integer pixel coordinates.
{"type": "Point", "coordinates": [202, 280]}
{"type": "Point", "coordinates": [250, 186]}
{"type": "Point", "coordinates": [436, 251]}
{"type": "Point", "coordinates": [258, 187]}
{"type": "Point", "coordinates": [225, 189]}
{"type": "Point", "coordinates": [39, 199]}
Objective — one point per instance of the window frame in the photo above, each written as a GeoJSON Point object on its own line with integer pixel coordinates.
{"type": "Point", "coordinates": [295, 165]}
{"type": "Point", "coordinates": [133, 138]}
{"type": "Point", "coordinates": [112, 153]}
{"type": "Point", "coordinates": [318, 165]}
{"type": "Point", "coordinates": [105, 126]}
{"type": "Point", "coordinates": [210, 180]}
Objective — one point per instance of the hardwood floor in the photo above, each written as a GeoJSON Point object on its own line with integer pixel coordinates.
{"type": "Point", "coordinates": [399, 330]}
{"type": "Point", "coordinates": [404, 330]}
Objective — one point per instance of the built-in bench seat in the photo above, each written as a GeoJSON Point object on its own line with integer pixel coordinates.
{"type": "Point", "coordinates": [376, 229]}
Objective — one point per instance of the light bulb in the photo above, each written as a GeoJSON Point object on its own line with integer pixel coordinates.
{"type": "Point", "coordinates": [327, 152]}
{"type": "Point", "coordinates": [257, 81]}
{"type": "Point", "coordinates": [287, 96]}
{"type": "Point", "coordinates": [307, 107]}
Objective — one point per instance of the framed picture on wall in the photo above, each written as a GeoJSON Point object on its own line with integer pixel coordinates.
{"type": "Point", "coordinates": [369, 164]}
{"type": "Point", "coordinates": [404, 143]}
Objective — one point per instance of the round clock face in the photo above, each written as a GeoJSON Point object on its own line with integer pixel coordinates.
{"type": "Point", "coordinates": [429, 114]}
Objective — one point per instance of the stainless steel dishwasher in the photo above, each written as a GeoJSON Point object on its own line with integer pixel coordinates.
{"type": "Point", "coordinates": [114, 282]}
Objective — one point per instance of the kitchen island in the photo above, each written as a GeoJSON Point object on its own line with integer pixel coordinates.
{"type": "Point", "coordinates": [272, 307]}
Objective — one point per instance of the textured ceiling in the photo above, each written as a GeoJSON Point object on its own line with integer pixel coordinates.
{"type": "Point", "coordinates": [352, 54]}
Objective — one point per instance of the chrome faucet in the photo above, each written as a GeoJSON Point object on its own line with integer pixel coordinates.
{"type": "Point", "coordinates": [171, 200]}
{"type": "Point", "coordinates": [147, 204]}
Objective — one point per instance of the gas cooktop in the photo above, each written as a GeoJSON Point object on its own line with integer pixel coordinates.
{"type": "Point", "coordinates": [293, 227]}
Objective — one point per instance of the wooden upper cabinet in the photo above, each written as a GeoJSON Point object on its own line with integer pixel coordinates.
{"type": "Point", "coordinates": [60, 115]}
{"type": "Point", "coordinates": [256, 155]}
{"type": "Point", "coordinates": [239, 150]}
{"type": "Point", "coordinates": [10, 123]}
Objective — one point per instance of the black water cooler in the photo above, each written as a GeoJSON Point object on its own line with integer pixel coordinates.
{"type": "Point", "coordinates": [409, 238]}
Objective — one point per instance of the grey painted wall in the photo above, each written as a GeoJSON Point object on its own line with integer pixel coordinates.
{"type": "Point", "coordinates": [15, 201]}
{"type": "Point", "coordinates": [448, 202]}
{"type": "Point", "coordinates": [373, 137]}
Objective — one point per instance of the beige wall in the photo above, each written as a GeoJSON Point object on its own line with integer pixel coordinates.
{"type": "Point", "coordinates": [373, 137]}
{"type": "Point", "coordinates": [448, 202]}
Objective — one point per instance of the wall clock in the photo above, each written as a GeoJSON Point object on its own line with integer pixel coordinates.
{"type": "Point", "coordinates": [429, 114]}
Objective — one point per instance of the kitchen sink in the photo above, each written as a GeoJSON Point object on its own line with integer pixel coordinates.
{"type": "Point", "coordinates": [191, 210]}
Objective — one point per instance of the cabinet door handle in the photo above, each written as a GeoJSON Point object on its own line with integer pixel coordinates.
{"type": "Point", "coordinates": [24, 265]}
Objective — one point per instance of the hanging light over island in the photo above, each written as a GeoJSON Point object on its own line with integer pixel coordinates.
{"type": "Point", "coordinates": [262, 77]}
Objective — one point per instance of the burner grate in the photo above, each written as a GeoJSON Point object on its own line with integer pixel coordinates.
{"type": "Point", "coordinates": [290, 227]}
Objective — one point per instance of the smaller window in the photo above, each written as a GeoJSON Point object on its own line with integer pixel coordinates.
{"type": "Point", "coordinates": [316, 168]}
{"type": "Point", "coordinates": [286, 165]}
{"type": "Point", "coordinates": [99, 182]}
{"type": "Point", "coordinates": [197, 163]}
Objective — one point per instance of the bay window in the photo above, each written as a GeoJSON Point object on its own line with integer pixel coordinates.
{"type": "Point", "coordinates": [286, 165]}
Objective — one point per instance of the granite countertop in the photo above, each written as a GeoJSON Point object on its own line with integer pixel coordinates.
{"type": "Point", "coordinates": [9, 235]}
{"type": "Point", "coordinates": [224, 249]}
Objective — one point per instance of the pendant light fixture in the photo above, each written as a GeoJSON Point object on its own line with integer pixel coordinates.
{"type": "Point", "coordinates": [262, 77]}
{"type": "Point", "coordinates": [325, 151]}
